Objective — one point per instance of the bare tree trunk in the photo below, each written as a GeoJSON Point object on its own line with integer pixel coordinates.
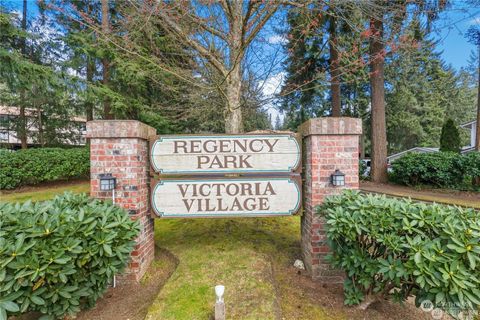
{"type": "Point", "coordinates": [22, 129]}
{"type": "Point", "coordinates": [379, 131]}
{"type": "Point", "coordinates": [334, 70]}
{"type": "Point", "coordinates": [107, 112]}
{"type": "Point", "coordinates": [477, 137]}
{"type": "Point", "coordinates": [41, 139]}
{"type": "Point", "coordinates": [233, 112]}
{"type": "Point", "coordinates": [362, 146]}
{"type": "Point", "coordinates": [88, 102]}
{"type": "Point", "coordinates": [90, 66]}
{"type": "Point", "coordinates": [367, 301]}
{"type": "Point", "coordinates": [476, 180]}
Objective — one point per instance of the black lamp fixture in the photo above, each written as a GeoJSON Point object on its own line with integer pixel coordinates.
{"type": "Point", "coordinates": [337, 178]}
{"type": "Point", "coordinates": [107, 182]}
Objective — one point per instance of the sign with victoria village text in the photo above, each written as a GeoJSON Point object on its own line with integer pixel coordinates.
{"type": "Point", "coordinates": [267, 162]}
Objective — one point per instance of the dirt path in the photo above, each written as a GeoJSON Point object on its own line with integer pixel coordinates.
{"type": "Point", "coordinates": [453, 197]}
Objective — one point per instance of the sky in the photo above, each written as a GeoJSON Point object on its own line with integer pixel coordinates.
{"type": "Point", "coordinates": [450, 30]}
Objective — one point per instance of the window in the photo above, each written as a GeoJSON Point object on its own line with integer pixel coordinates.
{"type": "Point", "coordinates": [3, 136]}
{"type": "Point", "coordinates": [4, 121]}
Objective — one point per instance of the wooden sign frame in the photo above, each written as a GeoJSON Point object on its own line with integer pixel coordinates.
{"type": "Point", "coordinates": [297, 168]}
{"type": "Point", "coordinates": [294, 178]}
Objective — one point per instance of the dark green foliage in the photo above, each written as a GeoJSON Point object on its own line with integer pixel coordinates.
{"type": "Point", "coordinates": [450, 137]}
{"type": "Point", "coordinates": [471, 164]}
{"type": "Point", "coordinates": [439, 169]}
{"type": "Point", "coordinates": [421, 91]}
{"type": "Point", "coordinates": [398, 248]}
{"type": "Point", "coordinates": [33, 166]}
{"type": "Point", "coordinates": [58, 256]}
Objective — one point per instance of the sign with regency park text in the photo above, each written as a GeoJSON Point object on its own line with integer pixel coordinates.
{"type": "Point", "coordinates": [253, 197]}
{"type": "Point", "coordinates": [275, 153]}
{"type": "Point", "coordinates": [208, 182]}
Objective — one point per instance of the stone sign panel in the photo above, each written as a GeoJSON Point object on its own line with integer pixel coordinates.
{"type": "Point", "coordinates": [274, 153]}
{"type": "Point", "coordinates": [253, 197]}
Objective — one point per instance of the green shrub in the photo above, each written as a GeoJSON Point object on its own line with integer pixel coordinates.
{"type": "Point", "coordinates": [58, 256]}
{"type": "Point", "coordinates": [471, 164]}
{"type": "Point", "coordinates": [450, 137]}
{"type": "Point", "coordinates": [438, 169]}
{"type": "Point", "coordinates": [397, 248]}
{"type": "Point", "coordinates": [33, 166]}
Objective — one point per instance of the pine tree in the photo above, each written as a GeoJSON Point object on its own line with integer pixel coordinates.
{"type": "Point", "coordinates": [450, 137]}
{"type": "Point", "coordinates": [421, 92]}
{"type": "Point", "coordinates": [278, 123]}
{"type": "Point", "coordinates": [34, 85]}
{"type": "Point", "coordinates": [473, 35]}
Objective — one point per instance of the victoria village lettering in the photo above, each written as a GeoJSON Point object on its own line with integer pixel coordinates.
{"type": "Point", "coordinates": [226, 197]}
{"type": "Point", "coordinates": [214, 154]}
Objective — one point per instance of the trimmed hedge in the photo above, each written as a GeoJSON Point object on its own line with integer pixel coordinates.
{"type": "Point", "coordinates": [58, 256]}
{"type": "Point", "coordinates": [398, 248]}
{"type": "Point", "coordinates": [438, 169]}
{"type": "Point", "coordinates": [33, 166]}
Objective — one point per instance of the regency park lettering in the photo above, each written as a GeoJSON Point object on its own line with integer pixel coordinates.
{"type": "Point", "coordinates": [213, 154]}
{"type": "Point", "coordinates": [253, 197]}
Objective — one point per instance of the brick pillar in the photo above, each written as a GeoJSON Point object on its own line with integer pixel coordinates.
{"type": "Point", "coordinates": [328, 144]}
{"type": "Point", "coordinates": [120, 147]}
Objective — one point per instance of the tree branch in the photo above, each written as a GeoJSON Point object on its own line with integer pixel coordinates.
{"type": "Point", "coordinates": [259, 22]}
{"type": "Point", "coordinates": [204, 52]}
{"type": "Point", "coordinates": [208, 28]}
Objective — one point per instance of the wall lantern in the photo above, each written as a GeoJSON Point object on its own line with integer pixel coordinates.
{"type": "Point", "coordinates": [107, 182]}
{"type": "Point", "coordinates": [337, 178]}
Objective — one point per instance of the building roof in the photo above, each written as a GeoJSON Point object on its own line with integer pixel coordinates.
{"type": "Point", "coordinates": [415, 149]}
{"type": "Point", "coordinates": [31, 112]}
{"type": "Point", "coordinates": [467, 149]}
{"type": "Point", "coordinates": [469, 124]}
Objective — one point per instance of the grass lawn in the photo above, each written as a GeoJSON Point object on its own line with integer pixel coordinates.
{"type": "Point", "coordinates": [44, 193]}
{"type": "Point", "coordinates": [252, 258]}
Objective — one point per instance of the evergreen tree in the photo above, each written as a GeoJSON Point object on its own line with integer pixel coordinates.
{"type": "Point", "coordinates": [35, 87]}
{"type": "Point", "coordinates": [421, 92]}
{"type": "Point", "coordinates": [473, 35]}
{"type": "Point", "coordinates": [325, 58]}
{"type": "Point", "coordinates": [278, 123]}
{"type": "Point", "coordinates": [450, 137]}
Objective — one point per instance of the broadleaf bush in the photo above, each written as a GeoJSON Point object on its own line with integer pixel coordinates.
{"type": "Point", "coordinates": [396, 248]}
{"type": "Point", "coordinates": [33, 166]}
{"type": "Point", "coordinates": [58, 256]}
{"type": "Point", "coordinates": [437, 169]}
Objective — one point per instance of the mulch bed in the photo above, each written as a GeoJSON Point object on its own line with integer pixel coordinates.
{"type": "Point", "coordinates": [129, 301]}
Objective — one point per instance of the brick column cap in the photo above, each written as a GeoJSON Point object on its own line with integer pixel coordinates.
{"type": "Point", "coordinates": [331, 126]}
{"type": "Point", "coordinates": [119, 129]}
